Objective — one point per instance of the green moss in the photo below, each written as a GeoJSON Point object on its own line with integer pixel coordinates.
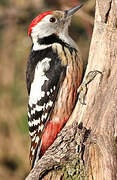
{"type": "Point", "coordinates": [74, 170]}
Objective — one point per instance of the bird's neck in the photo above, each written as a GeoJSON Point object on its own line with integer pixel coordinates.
{"type": "Point", "coordinates": [67, 39]}
{"type": "Point", "coordinates": [45, 42]}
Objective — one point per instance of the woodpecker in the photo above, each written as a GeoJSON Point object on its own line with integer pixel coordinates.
{"type": "Point", "coordinates": [53, 75]}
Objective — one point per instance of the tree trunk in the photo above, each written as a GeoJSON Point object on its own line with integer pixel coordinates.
{"type": "Point", "coordinates": [89, 151]}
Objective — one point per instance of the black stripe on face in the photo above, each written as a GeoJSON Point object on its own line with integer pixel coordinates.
{"type": "Point", "coordinates": [50, 40]}
{"type": "Point", "coordinates": [54, 39]}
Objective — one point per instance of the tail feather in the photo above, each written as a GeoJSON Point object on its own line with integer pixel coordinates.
{"type": "Point", "coordinates": [36, 155]}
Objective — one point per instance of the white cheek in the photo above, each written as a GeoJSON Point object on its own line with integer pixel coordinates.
{"type": "Point", "coordinates": [43, 29]}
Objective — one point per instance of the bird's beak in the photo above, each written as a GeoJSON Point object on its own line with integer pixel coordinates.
{"type": "Point", "coordinates": [71, 11]}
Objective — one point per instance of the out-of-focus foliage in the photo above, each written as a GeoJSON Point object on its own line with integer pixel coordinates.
{"type": "Point", "coordinates": [15, 17]}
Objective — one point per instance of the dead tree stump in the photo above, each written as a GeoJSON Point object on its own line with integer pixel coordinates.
{"type": "Point", "coordinates": [89, 151]}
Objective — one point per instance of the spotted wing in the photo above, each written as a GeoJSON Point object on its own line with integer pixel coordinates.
{"type": "Point", "coordinates": [43, 92]}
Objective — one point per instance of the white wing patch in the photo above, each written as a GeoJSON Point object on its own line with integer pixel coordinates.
{"type": "Point", "coordinates": [39, 78]}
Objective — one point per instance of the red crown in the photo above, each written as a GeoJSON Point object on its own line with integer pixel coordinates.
{"type": "Point", "coordinates": [37, 20]}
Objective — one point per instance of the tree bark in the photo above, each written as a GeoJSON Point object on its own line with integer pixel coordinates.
{"type": "Point", "coordinates": [89, 151]}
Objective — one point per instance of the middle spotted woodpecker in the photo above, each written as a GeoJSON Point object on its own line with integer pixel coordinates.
{"type": "Point", "coordinates": [54, 73]}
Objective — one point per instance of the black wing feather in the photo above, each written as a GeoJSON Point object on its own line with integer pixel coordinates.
{"type": "Point", "coordinates": [55, 75]}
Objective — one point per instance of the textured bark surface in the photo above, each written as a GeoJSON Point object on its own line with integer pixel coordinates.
{"type": "Point", "coordinates": [63, 155]}
{"type": "Point", "coordinates": [95, 152]}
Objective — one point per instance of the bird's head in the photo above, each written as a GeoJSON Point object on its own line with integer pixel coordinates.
{"type": "Point", "coordinates": [51, 22]}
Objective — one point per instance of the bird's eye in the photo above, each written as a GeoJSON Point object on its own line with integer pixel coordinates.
{"type": "Point", "coordinates": [52, 19]}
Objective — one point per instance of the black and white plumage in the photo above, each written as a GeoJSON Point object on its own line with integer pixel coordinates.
{"type": "Point", "coordinates": [53, 55]}
{"type": "Point", "coordinates": [43, 79]}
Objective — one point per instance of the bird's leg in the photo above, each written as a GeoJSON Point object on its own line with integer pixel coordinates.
{"type": "Point", "coordinates": [82, 90]}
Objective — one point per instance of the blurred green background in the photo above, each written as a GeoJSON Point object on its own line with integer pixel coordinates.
{"type": "Point", "coordinates": [15, 17]}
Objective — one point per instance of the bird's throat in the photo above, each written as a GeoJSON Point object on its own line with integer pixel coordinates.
{"type": "Point", "coordinates": [45, 42]}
